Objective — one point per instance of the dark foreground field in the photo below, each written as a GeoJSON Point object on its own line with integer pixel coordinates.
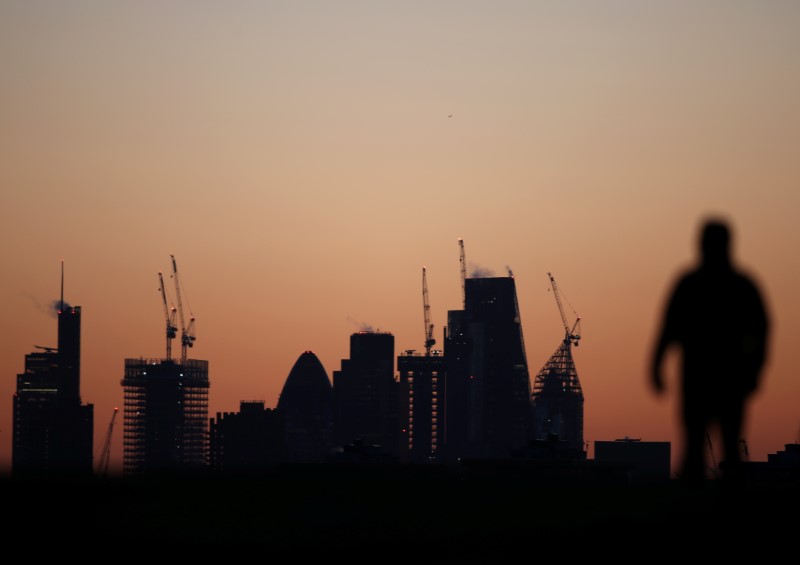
{"type": "Point", "coordinates": [416, 515]}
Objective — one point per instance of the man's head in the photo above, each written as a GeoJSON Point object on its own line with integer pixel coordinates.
{"type": "Point", "coordinates": [715, 243]}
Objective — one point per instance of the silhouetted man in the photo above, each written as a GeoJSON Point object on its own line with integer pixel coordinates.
{"type": "Point", "coordinates": [717, 318]}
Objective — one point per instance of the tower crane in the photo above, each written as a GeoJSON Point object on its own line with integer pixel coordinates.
{"type": "Point", "coordinates": [429, 340]}
{"type": "Point", "coordinates": [169, 316]}
{"type": "Point", "coordinates": [187, 331]}
{"type": "Point", "coordinates": [463, 260]}
{"type": "Point", "coordinates": [571, 336]}
{"type": "Point", "coordinates": [105, 453]}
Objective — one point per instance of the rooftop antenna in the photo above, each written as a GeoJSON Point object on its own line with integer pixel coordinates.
{"type": "Point", "coordinates": [61, 303]}
{"type": "Point", "coordinates": [463, 260]}
{"type": "Point", "coordinates": [429, 340]}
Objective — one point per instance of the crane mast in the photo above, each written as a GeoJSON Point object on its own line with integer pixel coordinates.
{"type": "Point", "coordinates": [429, 340]}
{"type": "Point", "coordinates": [570, 335]}
{"type": "Point", "coordinates": [169, 316]}
{"type": "Point", "coordinates": [105, 453]}
{"type": "Point", "coordinates": [463, 261]}
{"type": "Point", "coordinates": [187, 331]}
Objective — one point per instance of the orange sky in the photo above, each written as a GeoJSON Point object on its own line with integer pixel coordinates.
{"type": "Point", "coordinates": [304, 160]}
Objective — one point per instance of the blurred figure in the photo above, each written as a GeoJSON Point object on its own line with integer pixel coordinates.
{"type": "Point", "coordinates": [717, 318]}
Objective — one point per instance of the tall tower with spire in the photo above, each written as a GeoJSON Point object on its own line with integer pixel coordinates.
{"type": "Point", "coordinates": [53, 429]}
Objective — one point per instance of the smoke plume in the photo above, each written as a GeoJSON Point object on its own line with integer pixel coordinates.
{"type": "Point", "coordinates": [57, 306]}
{"type": "Point", "coordinates": [479, 272]}
{"type": "Point", "coordinates": [362, 326]}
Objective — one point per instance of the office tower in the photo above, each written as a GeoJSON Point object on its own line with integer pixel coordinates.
{"type": "Point", "coordinates": [247, 441]}
{"type": "Point", "coordinates": [53, 431]}
{"type": "Point", "coordinates": [365, 393]}
{"type": "Point", "coordinates": [165, 416]}
{"type": "Point", "coordinates": [306, 406]}
{"type": "Point", "coordinates": [488, 386]}
{"type": "Point", "coordinates": [422, 409]}
{"type": "Point", "coordinates": [557, 401]}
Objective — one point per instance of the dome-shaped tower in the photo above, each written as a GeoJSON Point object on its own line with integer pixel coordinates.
{"type": "Point", "coordinates": [306, 404]}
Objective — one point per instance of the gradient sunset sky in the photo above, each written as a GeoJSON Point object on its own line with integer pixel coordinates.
{"type": "Point", "coordinates": [304, 160]}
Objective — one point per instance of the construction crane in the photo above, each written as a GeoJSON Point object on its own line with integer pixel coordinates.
{"type": "Point", "coordinates": [187, 331]}
{"type": "Point", "coordinates": [745, 455]}
{"type": "Point", "coordinates": [571, 336]}
{"type": "Point", "coordinates": [105, 453]}
{"type": "Point", "coordinates": [557, 400]}
{"type": "Point", "coordinates": [463, 260]}
{"type": "Point", "coordinates": [169, 316]}
{"type": "Point", "coordinates": [429, 340]}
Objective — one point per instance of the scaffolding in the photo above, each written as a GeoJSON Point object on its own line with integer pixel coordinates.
{"type": "Point", "coordinates": [165, 417]}
{"type": "Point", "coordinates": [557, 399]}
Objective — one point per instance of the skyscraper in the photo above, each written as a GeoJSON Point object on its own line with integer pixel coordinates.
{"type": "Point", "coordinates": [365, 393]}
{"type": "Point", "coordinates": [557, 402]}
{"type": "Point", "coordinates": [166, 415]}
{"type": "Point", "coordinates": [165, 421]}
{"type": "Point", "coordinates": [422, 407]}
{"type": "Point", "coordinates": [488, 386]}
{"type": "Point", "coordinates": [53, 430]}
{"type": "Point", "coordinates": [306, 406]}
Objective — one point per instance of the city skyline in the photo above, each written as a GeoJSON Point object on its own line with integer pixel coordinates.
{"type": "Point", "coordinates": [304, 162]}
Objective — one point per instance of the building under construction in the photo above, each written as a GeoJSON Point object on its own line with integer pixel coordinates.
{"type": "Point", "coordinates": [165, 416]}
{"type": "Point", "coordinates": [166, 401]}
{"type": "Point", "coordinates": [557, 399]}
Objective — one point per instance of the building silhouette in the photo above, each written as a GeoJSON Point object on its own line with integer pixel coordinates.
{"type": "Point", "coordinates": [365, 394]}
{"type": "Point", "coordinates": [459, 394]}
{"type": "Point", "coordinates": [487, 384]}
{"type": "Point", "coordinates": [557, 401]}
{"type": "Point", "coordinates": [247, 441]}
{"type": "Point", "coordinates": [422, 409]}
{"type": "Point", "coordinates": [306, 406]}
{"type": "Point", "coordinates": [644, 461]}
{"type": "Point", "coordinates": [53, 431]}
{"type": "Point", "coordinates": [165, 424]}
